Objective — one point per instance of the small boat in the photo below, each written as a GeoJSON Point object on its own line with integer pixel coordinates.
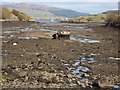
{"type": "Point", "coordinates": [61, 34]}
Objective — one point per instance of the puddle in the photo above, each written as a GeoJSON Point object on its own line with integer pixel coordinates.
{"type": "Point", "coordinates": [76, 63]}
{"type": "Point", "coordinates": [27, 29]}
{"type": "Point", "coordinates": [9, 28]}
{"type": "Point", "coordinates": [84, 79]}
{"type": "Point", "coordinates": [3, 54]}
{"type": "Point", "coordinates": [116, 86]}
{"type": "Point", "coordinates": [5, 41]}
{"type": "Point", "coordinates": [10, 32]}
{"type": "Point", "coordinates": [88, 29]}
{"type": "Point", "coordinates": [2, 36]}
{"type": "Point", "coordinates": [66, 64]}
{"type": "Point", "coordinates": [46, 21]}
{"type": "Point", "coordinates": [93, 54]}
{"type": "Point", "coordinates": [84, 36]}
{"type": "Point", "coordinates": [114, 58]}
{"type": "Point", "coordinates": [85, 40]}
{"type": "Point", "coordinates": [28, 37]}
{"type": "Point", "coordinates": [44, 29]}
{"type": "Point", "coordinates": [83, 59]}
{"type": "Point", "coordinates": [79, 71]}
{"type": "Point", "coordinates": [111, 63]}
{"type": "Point", "coordinates": [73, 27]}
{"type": "Point", "coordinates": [73, 84]}
{"type": "Point", "coordinates": [89, 60]}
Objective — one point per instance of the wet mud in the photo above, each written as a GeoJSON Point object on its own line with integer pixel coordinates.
{"type": "Point", "coordinates": [31, 58]}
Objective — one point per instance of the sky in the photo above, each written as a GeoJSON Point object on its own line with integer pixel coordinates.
{"type": "Point", "coordinates": [59, 0]}
{"type": "Point", "coordinates": [86, 6]}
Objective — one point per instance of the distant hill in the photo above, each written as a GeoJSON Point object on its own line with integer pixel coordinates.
{"type": "Point", "coordinates": [111, 12]}
{"type": "Point", "coordinates": [90, 18]}
{"type": "Point", "coordinates": [102, 17]}
{"type": "Point", "coordinates": [43, 11]}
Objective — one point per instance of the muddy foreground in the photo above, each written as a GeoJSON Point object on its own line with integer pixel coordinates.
{"type": "Point", "coordinates": [32, 59]}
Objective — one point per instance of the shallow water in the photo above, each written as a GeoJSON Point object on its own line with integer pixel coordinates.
{"type": "Point", "coordinates": [2, 36]}
{"type": "Point", "coordinates": [73, 27]}
{"type": "Point", "coordinates": [10, 32]}
{"type": "Point", "coordinates": [111, 63]}
{"type": "Point", "coordinates": [28, 37]}
{"type": "Point", "coordinates": [46, 21]}
{"type": "Point", "coordinates": [85, 79]}
{"type": "Point", "coordinates": [85, 40]}
{"type": "Point", "coordinates": [114, 58]}
{"type": "Point", "coordinates": [116, 86]}
{"type": "Point", "coordinates": [79, 71]}
{"type": "Point", "coordinates": [89, 60]}
{"type": "Point", "coordinates": [4, 54]}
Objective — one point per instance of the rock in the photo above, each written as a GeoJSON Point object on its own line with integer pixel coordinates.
{"type": "Point", "coordinates": [87, 83]}
{"type": "Point", "coordinates": [83, 85]}
{"type": "Point", "coordinates": [69, 76]}
{"type": "Point", "coordinates": [85, 75]}
{"type": "Point", "coordinates": [78, 82]}
{"type": "Point", "coordinates": [105, 84]}
{"type": "Point", "coordinates": [23, 73]}
{"type": "Point", "coordinates": [24, 66]}
{"type": "Point", "coordinates": [15, 44]}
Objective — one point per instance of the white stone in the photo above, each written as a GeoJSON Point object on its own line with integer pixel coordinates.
{"type": "Point", "coordinates": [15, 44]}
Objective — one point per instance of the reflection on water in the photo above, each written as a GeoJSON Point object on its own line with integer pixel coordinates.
{"type": "Point", "coordinates": [114, 58]}
{"type": "Point", "coordinates": [28, 37]}
{"type": "Point", "coordinates": [79, 70]}
{"type": "Point", "coordinates": [85, 40]}
{"type": "Point", "coordinates": [2, 36]}
{"type": "Point", "coordinates": [116, 86]}
{"type": "Point", "coordinates": [10, 32]}
{"type": "Point", "coordinates": [46, 21]}
{"type": "Point", "coordinates": [3, 54]}
{"type": "Point", "coordinates": [73, 27]}
{"type": "Point", "coordinates": [85, 79]}
{"type": "Point", "coordinates": [111, 63]}
{"type": "Point", "coordinates": [89, 60]}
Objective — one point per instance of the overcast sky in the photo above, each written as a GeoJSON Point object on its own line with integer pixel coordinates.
{"type": "Point", "coordinates": [87, 6]}
{"type": "Point", "coordinates": [59, 0]}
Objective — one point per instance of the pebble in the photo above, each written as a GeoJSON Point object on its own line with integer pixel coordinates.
{"type": "Point", "coordinates": [15, 44]}
{"type": "Point", "coordinates": [85, 75]}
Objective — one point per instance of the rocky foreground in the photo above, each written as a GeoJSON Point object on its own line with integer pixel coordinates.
{"type": "Point", "coordinates": [45, 63]}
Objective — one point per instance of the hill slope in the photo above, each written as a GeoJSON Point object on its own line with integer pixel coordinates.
{"type": "Point", "coordinates": [13, 15]}
{"type": "Point", "coordinates": [91, 18]}
{"type": "Point", "coordinates": [111, 12]}
{"type": "Point", "coordinates": [41, 11]}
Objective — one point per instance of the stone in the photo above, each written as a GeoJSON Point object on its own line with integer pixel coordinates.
{"type": "Point", "coordinates": [85, 75]}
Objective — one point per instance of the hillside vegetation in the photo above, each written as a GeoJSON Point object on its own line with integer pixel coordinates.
{"type": "Point", "coordinates": [6, 14]}
{"type": "Point", "coordinates": [113, 20]}
{"type": "Point", "coordinates": [39, 11]}
{"type": "Point", "coordinates": [110, 19]}
{"type": "Point", "coordinates": [21, 16]}
{"type": "Point", "coordinates": [91, 18]}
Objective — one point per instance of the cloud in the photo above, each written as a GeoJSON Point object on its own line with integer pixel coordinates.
{"type": "Point", "coordinates": [60, 0]}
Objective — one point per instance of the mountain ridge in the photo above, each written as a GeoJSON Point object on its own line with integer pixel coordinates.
{"type": "Point", "coordinates": [40, 10]}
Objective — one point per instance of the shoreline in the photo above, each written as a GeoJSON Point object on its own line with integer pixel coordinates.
{"type": "Point", "coordinates": [67, 63]}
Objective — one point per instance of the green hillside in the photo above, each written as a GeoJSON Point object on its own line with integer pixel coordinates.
{"type": "Point", "coordinates": [21, 16]}
{"type": "Point", "coordinates": [7, 14]}
{"type": "Point", "coordinates": [4, 13]}
{"type": "Point", "coordinates": [91, 18]}
{"type": "Point", "coordinates": [42, 11]}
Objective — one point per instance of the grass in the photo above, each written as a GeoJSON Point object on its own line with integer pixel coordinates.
{"type": "Point", "coordinates": [91, 18]}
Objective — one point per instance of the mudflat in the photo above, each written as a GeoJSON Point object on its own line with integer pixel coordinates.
{"type": "Point", "coordinates": [31, 58]}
